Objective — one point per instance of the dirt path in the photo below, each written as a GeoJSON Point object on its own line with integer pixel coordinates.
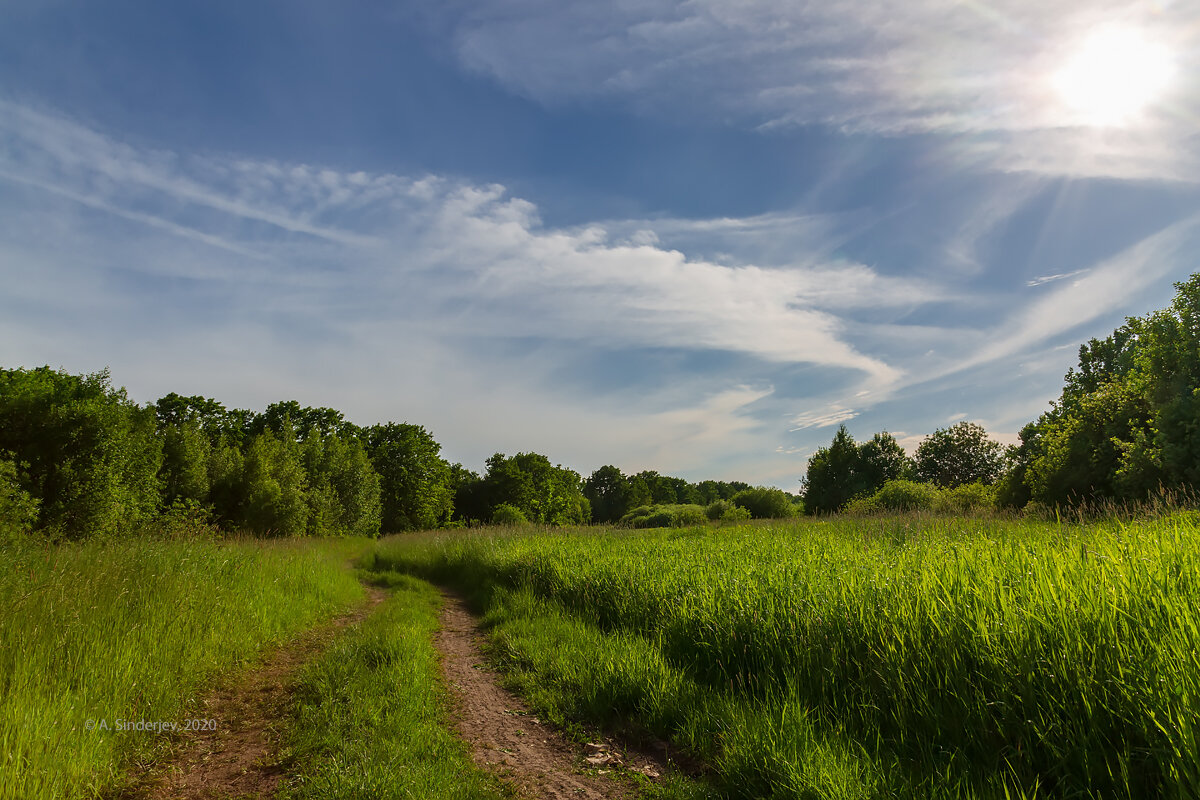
{"type": "Point", "coordinates": [506, 737]}
{"type": "Point", "coordinates": [238, 759]}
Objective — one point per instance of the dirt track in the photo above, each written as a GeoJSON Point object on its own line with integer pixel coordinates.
{"type": "Point", "coordinates": [506, 737]}
{"type": "Point", "coordinates": [239, 758]}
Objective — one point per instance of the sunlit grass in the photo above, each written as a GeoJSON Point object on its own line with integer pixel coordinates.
{"type": "Point", "coordinates": [369, 713]}
{"type": "Point", "coordinates": [972, 658]}
{"type": "Point", "coordinates": [127, 630]}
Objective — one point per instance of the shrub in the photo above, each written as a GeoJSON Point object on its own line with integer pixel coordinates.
{"type": "Point", "coordinates": [18, 510]}
{"type": "Point", "coordinates": [899, 495]}
{"type": "Point", "coordinates": [968, 498]}
{"type": "Point", "coordinates": [735, 514]}
{"type": "Point", "coordinates": [508, 514]}
{"type": "Point", "coordinates": [716, 509]}
{"type": "Point", "coordinates": [665, 516]}
{"type": "Point", "coordinates": [766, 503]}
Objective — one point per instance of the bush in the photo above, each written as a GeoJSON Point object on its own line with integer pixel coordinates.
{"type": "Point", "coordinates": [716, 509]}
{"type": "Point", "coordinates": [899, 495]}
{"type": "Point", "coordinates": [665, 516]}
{"type": "Point", "coordinates": [18, 510]}
{"type": "Point", "coordinates": [508, 514]}
{"type": "Point", "coordinates": [735, 514]}
{"type": "Point", "coordinates": [968, 498]}
{"type": "Point", "coordinates": [766, 503]}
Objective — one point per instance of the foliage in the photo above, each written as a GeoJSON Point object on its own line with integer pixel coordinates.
{"type": "Point", "coordinates": [765, 502]}
{"type": "Point", "coordinates": [344, 488]}
{"type": "Point", "coordinates": [508, 514]}
{"type": "Point", "coordinates": [84, 452]}
{"type": "Point", "coordinates": [960, 454]}
{"type": "Point", "coordinates": [1125, 424]}
{"type": "Point", "coordinates": [674, 515]}
{"type": "Point", "coordinates": [545, 494]}
{"type": "Point", "coordinates": [899, 496]}
{"type": "Point", "coordinates": [275, 486]}
{"type": "Point", "coordinates": [18, 509]}
{"type": "Point", "coordinates": [845, 470]}
{"type": "Point", "coordinates": [904, 496]}
{"type": "Point", "coordinates": [613, 495]}
{"type": "Point", "coordinates": [610, 493]}
{"type": "Point", "coordinates": [415, 482]}
{"type": "Point", "coordinates": [718, 508]}
{"type": "Point", "coordinates": [968, 498]}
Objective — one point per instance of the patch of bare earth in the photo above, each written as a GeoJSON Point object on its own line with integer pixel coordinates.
{"type": "Point", "coordinates": [506, 737]}
{"type": "Point", "coordinates": [239, 758]}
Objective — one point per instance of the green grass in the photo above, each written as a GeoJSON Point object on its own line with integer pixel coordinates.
{"type": "Point", "coordinates": [129, 630]}
{"type": "Point", "coordinates": [883, 657]}
{"type": "Point", "coordinates": [369, 714]}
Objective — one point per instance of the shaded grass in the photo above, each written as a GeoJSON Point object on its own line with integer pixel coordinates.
{"type": "Point", "coordinates": [129, 630]}
{"type": "Point", "coordinates": [893, 656]}
{"type": "Point", "coordinates": [369, 713]}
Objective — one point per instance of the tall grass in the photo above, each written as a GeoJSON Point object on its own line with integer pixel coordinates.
{"type": "Point", "coordinates": [960, 658]}
{"type": "Point", "coordinates": [128, 630]}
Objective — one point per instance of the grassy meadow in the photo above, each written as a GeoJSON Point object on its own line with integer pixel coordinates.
{"type": "Point", "coordinates": [129, 629]}
{"type": "Point", "coordinates": [872, 657]}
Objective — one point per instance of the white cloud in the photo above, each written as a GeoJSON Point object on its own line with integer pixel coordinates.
{"type": "Point", "coordinates": [833, 414]}
{"type": "Point", "coordinates": [389, 297]}
{"type": "Point", "coordinates": [1041, 280]}
{"type": "Point", "coordinates": [984, 73]}
{"type": "Point", "coordinates": [380, 294]}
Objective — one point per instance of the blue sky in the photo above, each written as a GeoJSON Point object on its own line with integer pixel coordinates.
{"type": "Point", "coordinates": [685, 236]}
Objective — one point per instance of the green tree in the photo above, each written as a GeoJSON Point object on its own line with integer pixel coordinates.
{"type": "Point", "coordinates": [18, 510]}
{"type": "Point", "coordinates": [274, 487]}
{"type": "Point", "coordinates": [544, 493]}
{"type": "Point", "coordinates": [1125, 424]}
{"type": "Point", "coordinates": [416, 492]}
{"type": "Point", "coordinates": [832, 479]}
{"type": "Point", "coordinates": [609, 492]}
{"type": "Point", "coordinates": [881, 460]}
{"type": "Point", "coordinates": [344, 488]}
{"type": "Point", "coordinates": [962, 453]}
{"type": "Point", "coordinates": [87, 454]}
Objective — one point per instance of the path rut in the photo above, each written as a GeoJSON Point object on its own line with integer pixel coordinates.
{"type": "Point", "coordinates": [239, 758]}
{"type": "Point", "coordinates": [506, 737]}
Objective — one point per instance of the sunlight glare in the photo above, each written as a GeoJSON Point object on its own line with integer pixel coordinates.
{"type": "Point", "coordinates": [1113, 76]}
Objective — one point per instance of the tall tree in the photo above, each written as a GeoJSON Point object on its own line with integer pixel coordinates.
{"type": "Point", "coordinates": [960, 454]}
{"type": "Point", "coordinates": [414, 480]}
{"type": "Point", "coordinates": [544, 493]}
{"type": "Point", "coordinates": [87, 455]}
{"type": "Point", "coordinates": [609, 493]}
{"type": "Point", "coordinates": [1125, 424]}
{"type": "Point", "coordinates": [833, 477]}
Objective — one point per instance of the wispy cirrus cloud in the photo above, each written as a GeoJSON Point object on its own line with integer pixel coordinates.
{"type": "Point", "coordinates": [1042, 280]}
{"type": "Point", "coordinates": [451, 303]}
{"type": "Point", "coordinates": [833, 414]}
{"type": "Point", "coordinates": [265, 267]}
{"type": "Point", "coordinates": [980, 72]}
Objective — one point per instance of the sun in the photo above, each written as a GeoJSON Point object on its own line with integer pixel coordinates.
{"type": "Point", "coordinates": [1112, 77]}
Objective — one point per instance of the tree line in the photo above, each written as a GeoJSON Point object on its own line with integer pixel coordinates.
{"type": "Point", "coordinates": [1126, 427]}
{"type": "Point", "coordinates": [79, 458]}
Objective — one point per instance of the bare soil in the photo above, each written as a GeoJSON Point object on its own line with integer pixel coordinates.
{"type": "Point", "coordinates": [239, 758]}
{"type": "Point", "coordinates": [507, 738]}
